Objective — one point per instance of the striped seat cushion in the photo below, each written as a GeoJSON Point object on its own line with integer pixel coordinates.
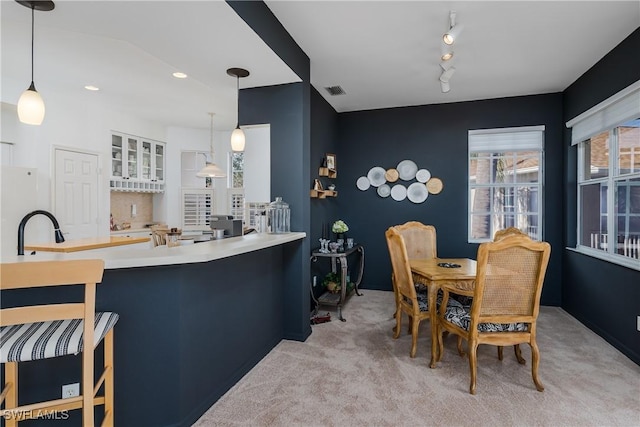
{"type": "Point", "coordinates": [42, 340]}
{"type": "Point", "coordinates": [460, 316]}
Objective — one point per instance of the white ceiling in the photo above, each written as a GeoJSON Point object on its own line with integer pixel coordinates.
{"type": "Point", "coordinates": [382, 53]}
{"type": "Point", "coordinates": [386, 53]}
{"type": "Point", "coordinates": [130, 49]}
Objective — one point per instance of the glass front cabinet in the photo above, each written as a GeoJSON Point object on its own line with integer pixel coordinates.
{"type": "Point", "coordinates": [137, 164]}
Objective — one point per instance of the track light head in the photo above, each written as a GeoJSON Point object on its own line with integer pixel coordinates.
{"type": "Point", "coordinates": [447, 74]}
{"type": "Point", "coordinates": [445, 52]}
{"type": "Point", "coordinates": [454, 30]}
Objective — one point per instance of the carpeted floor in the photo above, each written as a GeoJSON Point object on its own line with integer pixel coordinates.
{"type": "Point", "coordinates": [355, 374]}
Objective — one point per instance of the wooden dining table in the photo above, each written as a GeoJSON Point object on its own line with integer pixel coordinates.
{"type": "Point", "coordinates": [460, 280]}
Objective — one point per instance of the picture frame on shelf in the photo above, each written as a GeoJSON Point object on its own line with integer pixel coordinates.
{"type": "Point", "coordinates": [331, 161]}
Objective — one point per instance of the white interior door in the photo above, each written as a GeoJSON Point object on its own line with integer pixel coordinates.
{"type": "Point", "coordinates": [76, 193]}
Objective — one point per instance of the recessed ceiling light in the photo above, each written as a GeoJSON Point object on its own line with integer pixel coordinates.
{"type": "Point", "coordinates": [179, 75]}
{"type": "Point", "coordinates": [91, 87]}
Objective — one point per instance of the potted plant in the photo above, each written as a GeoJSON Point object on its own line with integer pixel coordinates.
{"type": "Point", "coordinates": [339, 228]}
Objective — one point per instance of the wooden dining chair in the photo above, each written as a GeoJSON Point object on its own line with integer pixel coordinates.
{"type": "Point", "coordinates": [408, 300]}
{"type": "Point", "coordinates": [420, 242]}
{"type": "Point", "coordinates": [508, 232]}
{"type": "Point", "coordinates": [506, 300]}
{"type": "Point", "coordinates": [36, 332]}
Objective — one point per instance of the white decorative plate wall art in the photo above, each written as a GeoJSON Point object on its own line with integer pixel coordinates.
{"type": "Point", "coordinates": [423, 175]}
{"type": "Point", "coordinates": [407, 170]}
{"type": "Point", "coordinates": [384, 190]}
{"type": "Point", "coordinates": [376, 176]}
{"type": "Point", "coordinates": [363, 183]}
{"type": "Point", "coordinates": [398, 192]}
{"type": "Point", "coordinates": [417, 192]}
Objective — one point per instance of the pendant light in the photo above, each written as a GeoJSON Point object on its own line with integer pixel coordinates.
{"type": "Point", "coordinates": [30, 104]}
{"type": "Point", "coordinates": [237, 137]}
{"type": "Point", "coordinates": [210, 170]}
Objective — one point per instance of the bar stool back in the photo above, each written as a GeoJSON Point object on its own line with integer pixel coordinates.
{"type": "Point", "coordinates": [51, 330]}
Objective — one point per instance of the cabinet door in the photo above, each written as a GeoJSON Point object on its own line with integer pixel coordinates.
{"type": "Point", "coordinates": [118, 152]}
{"type": "Point", "coordinates": [158, 162]}
{"type": "Point", "coordinates": [133, 151]}
{"type": "Point", "coordinates": [146, 161]}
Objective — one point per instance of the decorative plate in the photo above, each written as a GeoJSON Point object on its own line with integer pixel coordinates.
{"type": "Point", "coordinates": [376, 176]}
{"type": "Point", "coordinates": [398, 192]}
{"type": "Point", "coordinates": [384, 190]}
{"type": "Point", "coordinates": [363, 183]}
{"type": "Point", "coordinates": [407, 170]}
{"type": "Point", "coordinates": [391, 175]}
{"type": "Point", "coordinates": [417, 192]}
{"type": "Point", "coordinates": [423, 175]}
{"type": "Point", "coordinates": [434, 185]}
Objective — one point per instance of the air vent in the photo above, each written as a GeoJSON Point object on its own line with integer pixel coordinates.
{"type": "Point", "coordinates": [335, 90]}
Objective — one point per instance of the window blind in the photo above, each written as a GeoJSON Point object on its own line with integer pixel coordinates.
{"type": "Point", "coordinates": [197, 206]}
{"type": "Point", "coordinates": [617, 109]}
{"type": "Point", "coordinates": [529, 138]}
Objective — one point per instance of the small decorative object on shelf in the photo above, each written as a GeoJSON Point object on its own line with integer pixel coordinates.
{"type": "Point", "coordinates": [331, 162]}
{"type": "Point", "coordinates": [324, 246]}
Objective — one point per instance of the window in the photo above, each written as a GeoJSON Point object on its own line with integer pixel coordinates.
{"type": "Point", "coordinates": [609, 182]}
{"type": "Point", "coordinates": [608, 141]}
{"type": "Point", "coordinates": [505, 181]}
{"type": "Point", "coordinates": [236, 178]}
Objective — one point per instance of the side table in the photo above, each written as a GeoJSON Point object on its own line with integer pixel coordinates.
{"type": "Point", "coordinates": [340, 257]}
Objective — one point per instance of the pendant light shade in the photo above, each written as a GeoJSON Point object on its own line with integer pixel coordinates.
{"type": "Point", "coordinates": [237, 140]}
{"type": "Point", "coordinates": [237, 137]}
{"type": "Point", "coordinates": [31, 107]}
{"type": "Point", "coordinates": [211, 170]}
{"type": "Point", "coordinates": [30, 104]}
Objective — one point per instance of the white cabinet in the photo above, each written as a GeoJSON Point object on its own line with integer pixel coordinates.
{"type": "Point", "coordinates": [137, 164]}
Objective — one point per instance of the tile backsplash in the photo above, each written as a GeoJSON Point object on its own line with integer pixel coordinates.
{"type": "Point", "coordinates": [122, 202]}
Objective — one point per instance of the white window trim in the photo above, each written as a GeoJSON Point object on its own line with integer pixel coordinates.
{"type": "Point", "coordinates": [529, 138]}
{"type": "Point", "coordinates": [605, 116]}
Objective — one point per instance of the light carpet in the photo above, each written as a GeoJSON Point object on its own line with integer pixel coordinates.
{"type": "Point", "coordinates": [354, 373]}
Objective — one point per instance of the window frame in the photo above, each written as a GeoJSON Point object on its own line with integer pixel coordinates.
{"type": "Point", "coordinates": [605, 116]}
{"type": "Point", "coordinates": [613, 177]}
{"type": "Point", "coordinates": [510, 147]}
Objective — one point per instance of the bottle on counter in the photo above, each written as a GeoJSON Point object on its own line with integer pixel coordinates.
{"type": "Point", "coordinates": [279, 216]}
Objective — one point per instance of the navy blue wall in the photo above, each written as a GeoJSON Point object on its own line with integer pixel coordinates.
{"type": "Point", "coordinates": [435, 137]}
{"type": "Point", "coordinates": [603, 296]}
{"type": "Point", "coordinates": [287, 109]}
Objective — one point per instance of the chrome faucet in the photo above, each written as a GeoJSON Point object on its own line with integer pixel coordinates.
{"type": "Point", "coordinates": [27, 217]}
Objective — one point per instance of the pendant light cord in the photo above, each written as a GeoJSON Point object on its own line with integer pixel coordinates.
{"type": "Point", "coordinates": [211, 138]}
{"type": "Point", "coordinates": [238, 100]}
{"type": "Point", "coordinates": [33, 8]}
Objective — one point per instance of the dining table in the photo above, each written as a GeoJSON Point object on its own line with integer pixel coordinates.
{"type": "Point", "coordinates": [457, 274]}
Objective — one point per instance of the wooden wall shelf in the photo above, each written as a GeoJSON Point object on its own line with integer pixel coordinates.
{"type": "Point", "coordinates": [322, 194]}
{"type": "Point", "coordinates": [327, 172]}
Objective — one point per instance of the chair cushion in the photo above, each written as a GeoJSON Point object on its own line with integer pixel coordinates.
{"type": "Point", "coordinates": [460, 316]}
{"type": "Point", "coordinates": [42, 340]}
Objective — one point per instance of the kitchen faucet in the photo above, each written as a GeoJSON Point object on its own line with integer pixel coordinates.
{"type": "Point", "coordinates": [27, 217]}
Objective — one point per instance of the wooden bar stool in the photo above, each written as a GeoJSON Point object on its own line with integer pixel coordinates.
{"type": "Point", "coordinates": [44, 331]}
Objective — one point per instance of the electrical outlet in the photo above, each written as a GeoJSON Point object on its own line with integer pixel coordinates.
{"type": "Point", "coordinates": [315, 282]}
{"type": "Point", "coordinates": [638, 324]}
{"type": "Point", "coordinates": [70, 390]}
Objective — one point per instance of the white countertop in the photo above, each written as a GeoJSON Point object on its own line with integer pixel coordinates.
{"type": "Point", "coordinates": [162, 255]}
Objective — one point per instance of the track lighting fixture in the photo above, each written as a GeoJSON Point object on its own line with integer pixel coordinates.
{"type": "Point", "coordinates": [445, 52]}
{"type": "Point", "coordinates": [445, 77]}
{"type": "Point", "coordinates": [454, 30]}
{"type": "Point", "coordinates": [30, 104]}
{"type": "Point", "coordinates": [237, 137]}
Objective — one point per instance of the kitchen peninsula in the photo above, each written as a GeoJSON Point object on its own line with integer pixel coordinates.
{"type": "Point", "coordinates": [193, 320]}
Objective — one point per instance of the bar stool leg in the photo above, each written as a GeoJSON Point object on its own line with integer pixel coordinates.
{"type": "Point", "coordinates": [11, 400]}
{"type": "Point", "coordinates": [108, 380]}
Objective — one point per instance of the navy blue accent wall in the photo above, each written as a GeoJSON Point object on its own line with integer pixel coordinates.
{"type": "Point", "coordinates": [287, 109]}
{"type": "Point", "coordinates": [603, 296]}
{"type": "Point", "coordinates": [324, 137]}
{"type": "Point", "coordinates": [435, 137]}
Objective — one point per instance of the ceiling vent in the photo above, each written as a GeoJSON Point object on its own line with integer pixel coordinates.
{"type": "Point", "coordinates": [335, 90]}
